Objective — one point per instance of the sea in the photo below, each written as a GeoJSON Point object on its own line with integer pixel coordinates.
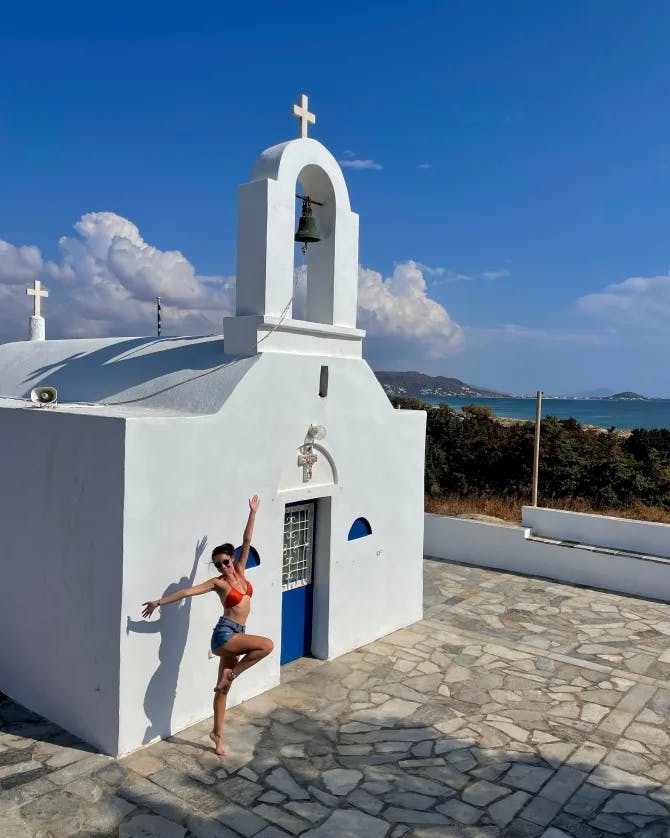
{"type": "Point", "coordinates": [605, 413]}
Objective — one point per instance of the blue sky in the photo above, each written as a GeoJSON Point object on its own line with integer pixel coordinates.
{"type": "Point", "coordinates": [518, 165]}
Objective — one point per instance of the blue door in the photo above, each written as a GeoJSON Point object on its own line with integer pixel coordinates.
{"type": "Point", "coordinates": [296, 619]}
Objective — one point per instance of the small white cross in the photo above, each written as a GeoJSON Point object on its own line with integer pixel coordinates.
{"type": "Point", "coordinates": [307, 461]}
{"type": "Point", "coordinates": [37, 292]}
{"type": "Point", "coordinates": [303, 115]}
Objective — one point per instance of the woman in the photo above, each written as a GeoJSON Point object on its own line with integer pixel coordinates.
{"type": "Point", "coordinates": [229, 639]}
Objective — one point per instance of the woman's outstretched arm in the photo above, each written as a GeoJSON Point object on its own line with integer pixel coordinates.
{"type": "Point", "coordinates": [241, 563]}
{"type": "Point", "coordinates": [196, 590]}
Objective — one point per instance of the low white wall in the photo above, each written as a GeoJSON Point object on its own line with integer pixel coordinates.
{"type": "Point", "coordinates": [510, 548]}
{"type": "Point", "coordinates": [645, 537]}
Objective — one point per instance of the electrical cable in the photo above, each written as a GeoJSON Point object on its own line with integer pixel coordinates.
{"type": "Point", "coordinates": [243, 354]}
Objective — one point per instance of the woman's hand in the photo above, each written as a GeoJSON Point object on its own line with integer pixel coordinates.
{"type": "Point", "coordinates": [254, 503]}
{"type": "Point", "coordinates": [150, 607]}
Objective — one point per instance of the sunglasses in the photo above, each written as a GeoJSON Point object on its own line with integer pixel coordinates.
{"type": "Point", "coordinates": [219, 565]}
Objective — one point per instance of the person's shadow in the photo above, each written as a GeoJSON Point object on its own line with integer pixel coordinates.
{"type": "Point", "coordinates": [173, 627]}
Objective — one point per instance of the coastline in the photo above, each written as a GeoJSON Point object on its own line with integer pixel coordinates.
{"type": "Point", "coordinates": [600, 414]}
{"type": "Point", "coordinates": [507, 421]}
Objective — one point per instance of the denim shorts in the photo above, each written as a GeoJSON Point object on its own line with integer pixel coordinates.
{"type": "Point", "coordinates": [224, 630]}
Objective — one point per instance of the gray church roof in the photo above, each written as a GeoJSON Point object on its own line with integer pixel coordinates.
{"type": "Point", "coordinates": [123, 376]}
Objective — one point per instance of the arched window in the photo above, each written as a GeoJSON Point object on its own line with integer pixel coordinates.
{"type": "Point", "coordinates": [253, 560]}
{"type": "Point", "coordinates": [359, 529]}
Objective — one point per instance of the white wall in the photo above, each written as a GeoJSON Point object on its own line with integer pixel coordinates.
{"type": "Point", "coordinates": [186, 480]}
{"type": "Point", "coordinates": [645, 537]}
{"type": "Point", "coordinates": [511, 548]}
{"type": "Point", "coordinates": [61, 506]}
{"type": "Point", "coordinates": [377, 581]}
{"type": "Point", "coordinates": [189, 478]}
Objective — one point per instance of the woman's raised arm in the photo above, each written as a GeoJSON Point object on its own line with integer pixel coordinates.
{"type": "Point", "coordinates": [241, 563]}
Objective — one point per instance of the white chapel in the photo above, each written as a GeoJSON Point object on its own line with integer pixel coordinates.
{"type": "Point", "coordinates": [117, 491]}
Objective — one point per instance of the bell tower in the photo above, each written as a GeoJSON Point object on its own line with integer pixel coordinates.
{"type": "Point", "coordinates": [266, 255]}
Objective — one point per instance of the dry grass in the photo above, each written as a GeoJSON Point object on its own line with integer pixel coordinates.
{"type": "Point", "coordinates": [509, 509]}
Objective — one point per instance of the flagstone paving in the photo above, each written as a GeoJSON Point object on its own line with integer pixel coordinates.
{"type": "Point", "coordinates": [518, 707]}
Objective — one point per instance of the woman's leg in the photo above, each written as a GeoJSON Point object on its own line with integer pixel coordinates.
{"type": "Point", "coordinates": [253, 647]}
{"type": "Point", "coordinates": [226, 664]}
{"type": "Point", "coordinates": [220, 698]}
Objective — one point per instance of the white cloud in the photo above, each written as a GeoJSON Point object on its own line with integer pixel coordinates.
{"type": "Point", "coordinates": [430, 270]}
{"type": "Point", "coordinates": [425, 166]}
{"type": "Point", "coordinates": [448, 276]}
{"type": "Point", "coordinates": [19, 264]}
{"type": "Point", "coordinates": [638, 302]}
{"type": "Point", "coordinates": [360, 164]}
{"type": "Point", "coordinates": [398, 315]}
{"type": "Point", "coordinates": [500, 274]}
{"type": "Point", "coordinates": [107, 279]}
{"type": "Point", "coordinates": [398, 308]}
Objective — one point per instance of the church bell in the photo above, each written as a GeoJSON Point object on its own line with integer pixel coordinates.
{"type": "Point", "coordinates": [307, 231]}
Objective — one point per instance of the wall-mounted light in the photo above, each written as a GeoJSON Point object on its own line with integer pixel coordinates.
{"type": "Point", "coordinates": [316, 432]}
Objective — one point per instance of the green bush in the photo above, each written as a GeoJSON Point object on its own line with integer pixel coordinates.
{"type": "Point", "coordinates": [471, 452]}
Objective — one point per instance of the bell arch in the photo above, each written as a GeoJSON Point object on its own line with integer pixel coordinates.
{"type": "Point", "coordinates": [265, 246]}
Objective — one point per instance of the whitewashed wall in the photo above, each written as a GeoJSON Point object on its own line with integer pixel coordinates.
{"type": "Point", "coordinates": [511, 548]}
{"type": "Point", "coordinates": [645, 537]}
{"type": "Point", "coordinates": [189, 478]}
{"type": "Point", "coordinates": [61, 519]}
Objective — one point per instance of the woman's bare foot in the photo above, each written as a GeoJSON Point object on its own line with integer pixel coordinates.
{"type": "Point", "coordinates": [226, 680]}
{"type": "Point", "coordinates": [216, 739]}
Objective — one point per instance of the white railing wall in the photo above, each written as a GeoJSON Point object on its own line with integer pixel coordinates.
{"type": "Point", "coordinates": [645, 537]}
{"type": "Point", "coordinates": [513, 549]}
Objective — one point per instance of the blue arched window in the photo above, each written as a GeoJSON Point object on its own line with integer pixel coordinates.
{"type": "Point", "coordinates": [359, 529]}
{"type": "Point", "coordinates": [253, 560]}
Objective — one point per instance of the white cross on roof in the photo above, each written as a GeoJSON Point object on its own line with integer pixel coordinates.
{"type": "Point", "coordinates": [37, 292]}
{"type": "Point", "coordinates": [303, 115]}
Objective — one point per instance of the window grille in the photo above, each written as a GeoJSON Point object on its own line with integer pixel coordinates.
{"type": "Point", "coordinates": [298, 546]}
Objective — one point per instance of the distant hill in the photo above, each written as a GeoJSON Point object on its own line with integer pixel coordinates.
{"type": "Point", "coordinates": [629, 395]}
{"type": "Point", "coordinates": [417, 384]}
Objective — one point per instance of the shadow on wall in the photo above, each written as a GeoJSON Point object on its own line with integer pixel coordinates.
{"type": "Point", "coordinates": [96, 375]}
{"type": "Point", "coordinates": [172, 625]}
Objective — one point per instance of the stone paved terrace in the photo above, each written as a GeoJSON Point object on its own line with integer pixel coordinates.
{"type": "Point", "coordinates": [517, 707]}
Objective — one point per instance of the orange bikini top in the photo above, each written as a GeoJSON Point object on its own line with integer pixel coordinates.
{"type": "Point", "coordinates": [235, 597]}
